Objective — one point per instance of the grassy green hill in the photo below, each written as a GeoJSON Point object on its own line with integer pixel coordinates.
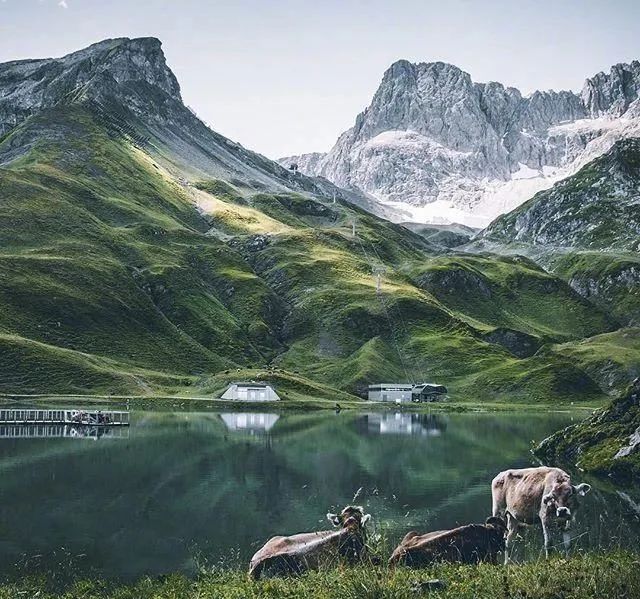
{"type": "Point", "coordinates": [116, 277]}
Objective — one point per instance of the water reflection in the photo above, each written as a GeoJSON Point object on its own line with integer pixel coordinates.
{"type": "Point", "coordinates": [57, 431]}
{"type": "Point", "coordinates": [399, 423]}
{"type": "Point", "coordinates": [249, 422]}
{"type": "Point", "coordinates": [186, 484]}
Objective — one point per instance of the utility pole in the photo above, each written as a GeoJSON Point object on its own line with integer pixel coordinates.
{"type": "Point", "coordinates": [353, 228]}
{"type": "Point", "coordinates": [379, 271]}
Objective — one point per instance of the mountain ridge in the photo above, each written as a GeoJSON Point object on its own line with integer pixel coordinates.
{"type": "Point", "coordinates": [441, 146]}
{"type": "Point", "coordinates": [145, 254]}
{"type": "Point", "coordinates": [129, 80]}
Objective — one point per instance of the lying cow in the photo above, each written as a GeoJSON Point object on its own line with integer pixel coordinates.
{"type": "Point", "coordinates": [309, 550]}
{"type": "Point", "coordinates": [536, 494]}
{"type": "Point", "coordinates": [470, 544]}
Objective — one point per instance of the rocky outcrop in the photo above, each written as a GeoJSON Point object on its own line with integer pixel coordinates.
{"type": "Point", "coordinates": [447, 148]}
{"type": "Point", "coordinates": [613, 93]}
{"type": "Point", "coordinates": [517, 343]}
{"type": "Point", "coordinates": [606, 444]}
{"type": "Point", "coordinates": [101, 71]}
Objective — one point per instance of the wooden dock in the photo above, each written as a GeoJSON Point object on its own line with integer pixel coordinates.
{"type": "Point", "coordinates": [67, 416]}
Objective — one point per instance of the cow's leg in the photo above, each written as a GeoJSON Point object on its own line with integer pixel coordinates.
{"type": "Point", "coordinates": [566, 537]}
{"type": "Point", "coordinates": [512, 531]}
{"type": "Point", "coordinates": [497, 507]}
{"type": "Point", "coordinates": [546, 533]}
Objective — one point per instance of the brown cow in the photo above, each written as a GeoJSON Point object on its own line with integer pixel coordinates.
{"type": "Point", "coordinates": [533, 495]}
{"type": "Point", "coordinates": [470, 544]}
{"type": "Point", "coordinates": [308, 551]}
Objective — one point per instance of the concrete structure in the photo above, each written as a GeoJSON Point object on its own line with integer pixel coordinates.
{"type": "Point", "coordinates": [397, 392]}
{"type": "Point", "coordinates": [250, 391]}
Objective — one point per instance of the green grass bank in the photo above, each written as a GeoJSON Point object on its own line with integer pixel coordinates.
{"type": "Point", "coordinates": [598, 575]}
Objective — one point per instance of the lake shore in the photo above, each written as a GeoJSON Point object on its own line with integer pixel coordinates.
{"type": "Point", "coordinates": [591, 575]}
{"type": "Point", "coordinates": [295, 404]}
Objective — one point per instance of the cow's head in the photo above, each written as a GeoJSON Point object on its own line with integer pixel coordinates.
{"type": "Point", "coordinates": [352, 517]}
{"type": "Point", "coordinates": [498, 523]}
{"type": "Point", "coordinates": [562, 499]}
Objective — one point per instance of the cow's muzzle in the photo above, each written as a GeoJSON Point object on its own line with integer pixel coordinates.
{"type": "Point", "coordinates": [563, 512]}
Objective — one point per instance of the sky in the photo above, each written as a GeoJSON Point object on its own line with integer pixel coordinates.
{"type": "Point", "coordinates": [285, 77]}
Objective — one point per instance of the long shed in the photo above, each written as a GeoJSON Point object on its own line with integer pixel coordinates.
{"type": "Point", "coordinates": [397, 392]}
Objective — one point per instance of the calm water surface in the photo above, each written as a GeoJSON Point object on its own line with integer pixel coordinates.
{"type": "Point", "coordinates": [177, 489]}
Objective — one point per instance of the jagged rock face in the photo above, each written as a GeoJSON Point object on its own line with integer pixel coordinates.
{"type": "Point", "coordinates": [613, 93]}
{"type": "Point", "coordinates": [105, 69]}
{"type": "Point", "coordinates": [597, 208]}
{"type": "Point", "coordinates": [439, 144]}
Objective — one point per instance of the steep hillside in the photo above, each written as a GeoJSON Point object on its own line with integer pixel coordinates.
{"type": "Point", "coordinates": [610, 280]}
{"type": "Point", "coordinates": [447, 149]}
{"type": "Point", "coordinates": [586, 229]}
{"type": "Point", "coordinates": [131, 88]}
{"type": "Point", "coordinates": [606, 444]}
{"type": "Point", "coordinates": [597, 208]}
{"type": "Point", "coordinates": [126, 269]}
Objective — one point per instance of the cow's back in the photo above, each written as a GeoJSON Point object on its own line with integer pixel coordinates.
{"type": "Point", "coordinates": [293, 554]}
{"type": "Point", "coordinates": [471, 543]}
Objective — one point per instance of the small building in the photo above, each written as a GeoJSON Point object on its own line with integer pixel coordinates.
{"type": "Point", "coordinates": [396, 392]}
{"type": "Point", "coordinates": [428, 392]}
{"type": "Point", "coordinates": [250, 391]}
{"type": "Point", "coordinates": [405, 392]}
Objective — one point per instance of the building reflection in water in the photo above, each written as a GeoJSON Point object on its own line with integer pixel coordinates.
{"type": "Point", "coordinates": [249, 422]}
{"type": "Point", "coordinates": [402, 423]}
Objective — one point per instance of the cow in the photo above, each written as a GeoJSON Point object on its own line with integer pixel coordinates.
{"type": "Point", "coordinates": [469, 544]}
{"type": "Point", "coordinates": [542, 494]}
{"type": "Point", "coordinates": [308, 551]}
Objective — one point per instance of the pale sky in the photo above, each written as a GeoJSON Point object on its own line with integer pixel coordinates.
{"type": "Point", "coordinates": [285, 77]}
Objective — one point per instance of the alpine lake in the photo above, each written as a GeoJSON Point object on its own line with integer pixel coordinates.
{"type": "Point", "coordinates": [182, 490]}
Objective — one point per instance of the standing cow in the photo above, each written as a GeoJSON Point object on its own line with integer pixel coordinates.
{"type": "Point", "coordinates": [530, 495]}
{"type": "Point", "coordinates": [308, 551]}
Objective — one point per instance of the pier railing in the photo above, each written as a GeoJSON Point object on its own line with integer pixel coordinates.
{"type": "Point", "coordinates": [63, 416]}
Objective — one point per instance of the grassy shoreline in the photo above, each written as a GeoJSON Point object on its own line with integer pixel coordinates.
{"type": "Point", "coordinates": [614, 575]}
{"type": "Point", "coordinates": [298, 404]}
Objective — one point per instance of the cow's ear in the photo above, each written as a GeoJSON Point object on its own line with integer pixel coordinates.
{"type": "Point", "coordinates": [334, 519]}
{"type": "Point", "coordinates": [495, 521]}
{"type": "Point", "coordinates": [365, 519]}
{"type": "Point", "coordinates": [547, 499]}
{"type": "Point", "coordinates": [582, 489]}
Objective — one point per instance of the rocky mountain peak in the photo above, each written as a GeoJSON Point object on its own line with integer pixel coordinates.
{"type": "Point", "coordinates": [612, 93]}
{"type": "Point", "coordinates": [101, 71]}
{"type": "Point", "coordinates": [447, 149]}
